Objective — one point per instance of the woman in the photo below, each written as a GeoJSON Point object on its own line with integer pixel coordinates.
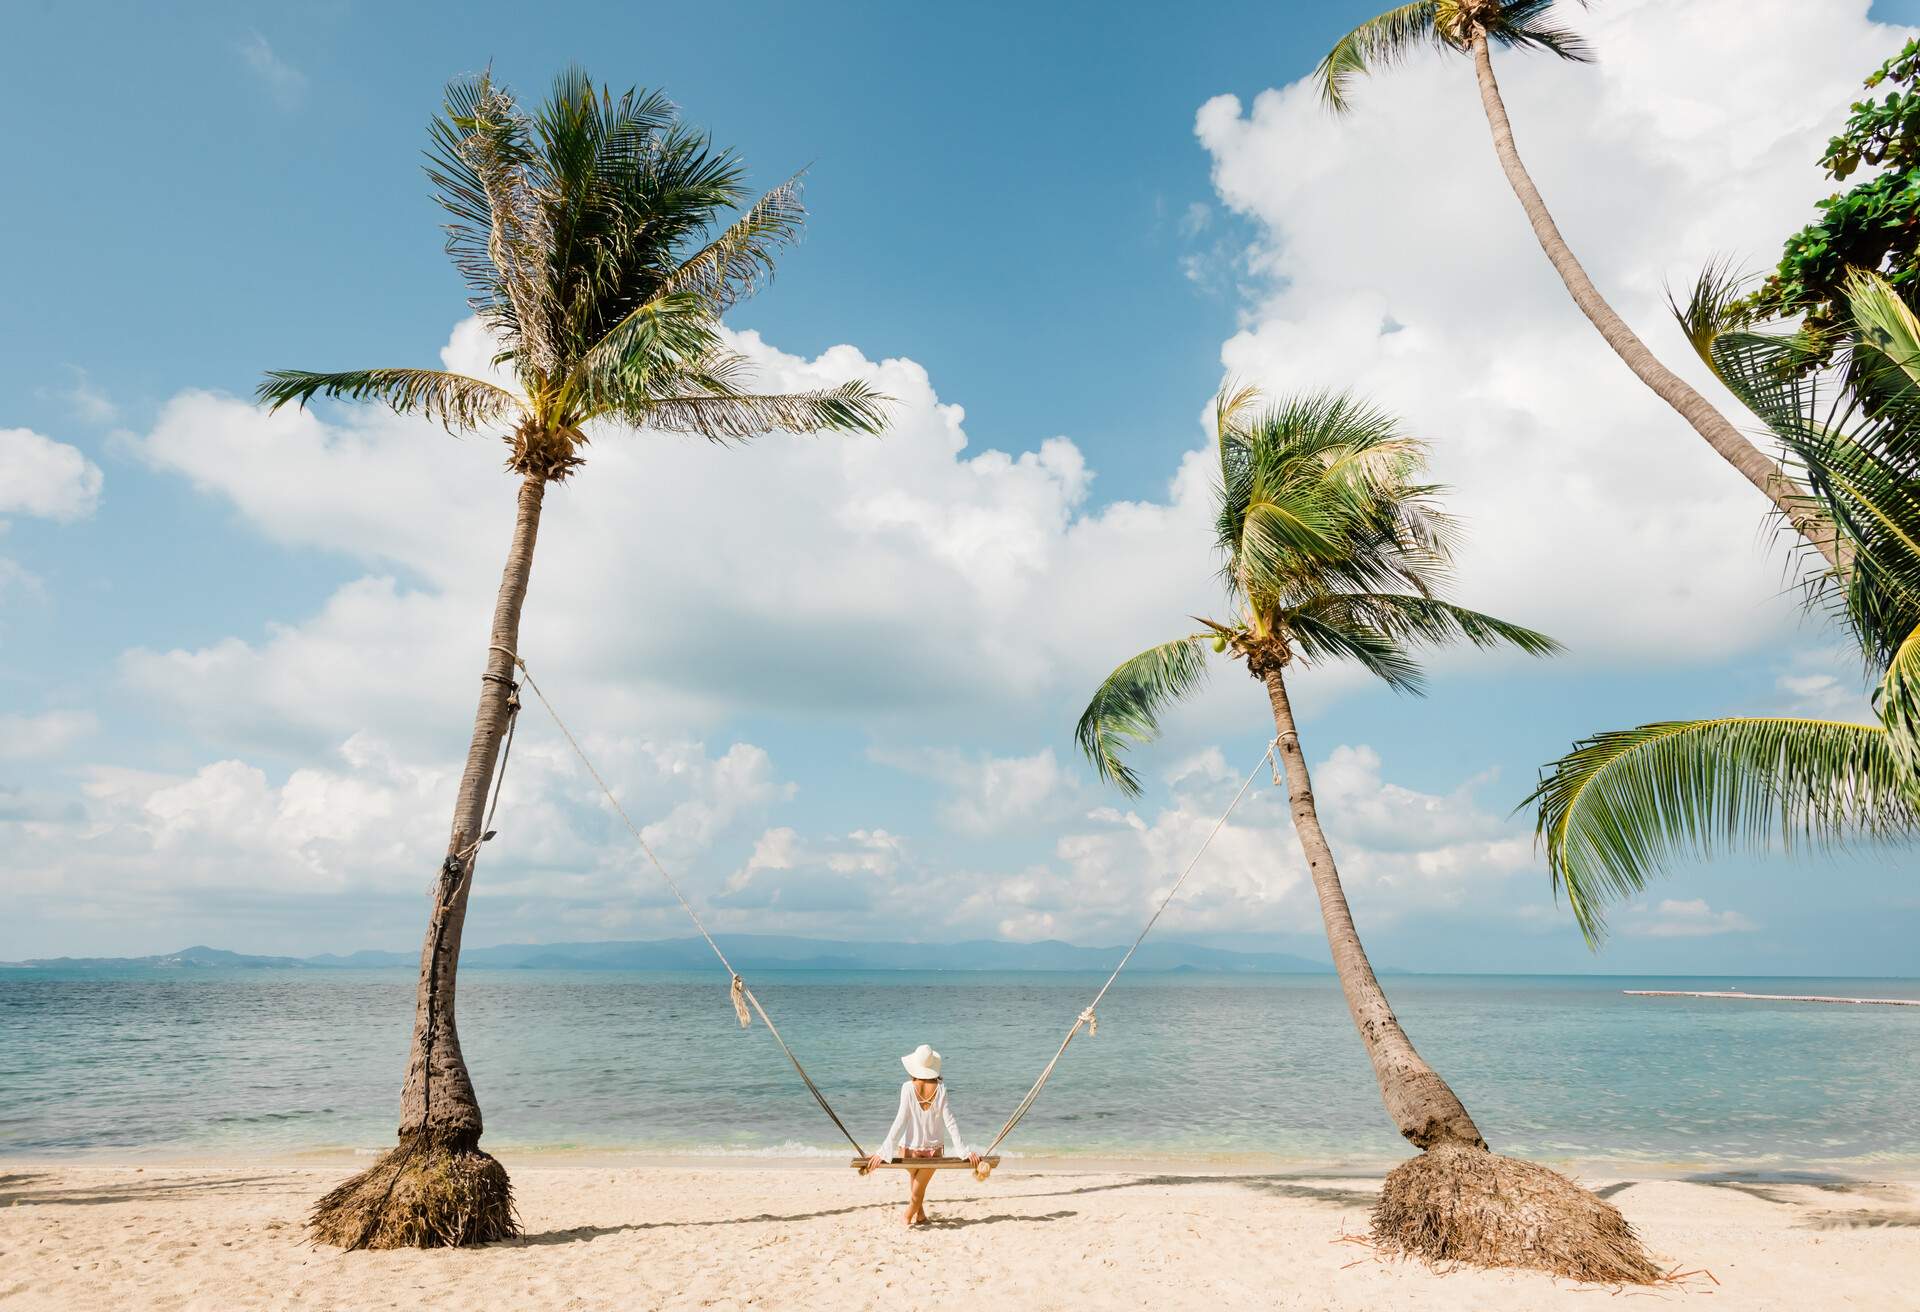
{"type": "Point", "coordinates": [923, 1127]}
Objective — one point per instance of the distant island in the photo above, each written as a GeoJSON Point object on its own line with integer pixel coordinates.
{"type": "Point", "coordinates": [747, 952]}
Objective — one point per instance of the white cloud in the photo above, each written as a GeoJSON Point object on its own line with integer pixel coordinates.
{"type": "Point", "coordinates": [29, 737]}
{"type": "Point", "coordinates": [372, 823]}
{"type": "Point", "coordinates": [42, 477]}
{"type": "Point", "coordinates": [285, 83]}
{"type": "Point", "coordinates": [1394, 259]}
{"type": "Point", "coordinates": [1399, 851]}
{"type": "Point", "coordinates": [677, 584]}
{"type": "Point", "coordinates": [1690, 918]}
{"type": "Point", "coordinates": [989, 794]}
{"type": "Point", "coordinates": [1825, 683]}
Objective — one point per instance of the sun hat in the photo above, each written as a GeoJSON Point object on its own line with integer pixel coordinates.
{"type": "Point", "coordinates": [923, 1063]}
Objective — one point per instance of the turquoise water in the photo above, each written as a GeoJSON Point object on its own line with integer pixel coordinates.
{"type": "Point", "coordinates": [280, 1061]}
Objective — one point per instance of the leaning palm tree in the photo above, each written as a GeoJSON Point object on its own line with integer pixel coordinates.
{"type": "Point", "coordinates": [590, 233]}
{"type": "Point", "coordinates": [1472, 27]}
{"type": "Point", "coordinates": [1333, 549]}
{"type": "Point", "coordinates": [1623, 806]}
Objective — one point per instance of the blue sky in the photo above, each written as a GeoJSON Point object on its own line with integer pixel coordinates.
{"type": "Point", "coordinates": [235, 672]}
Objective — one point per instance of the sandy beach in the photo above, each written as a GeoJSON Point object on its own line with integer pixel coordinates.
{"type": "Point", "coordinates": [791, 1236]}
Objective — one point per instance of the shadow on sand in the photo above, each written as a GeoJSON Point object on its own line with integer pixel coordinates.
{"type": "Point", "coordinates": [38, 1189]}
{"type": "Point", "coordinates": [1276, 1185]}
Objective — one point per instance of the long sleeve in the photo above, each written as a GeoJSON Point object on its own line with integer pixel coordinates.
{"type": "Point", "coordinates": [890, 1146]}
{"type": "Point", "coordinates": [956, 1146]}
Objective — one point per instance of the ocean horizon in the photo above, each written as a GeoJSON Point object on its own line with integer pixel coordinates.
{"type": "Point", "coordinates": [271, 1061]}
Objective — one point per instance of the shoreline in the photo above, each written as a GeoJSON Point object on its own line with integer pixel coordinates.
{"type": "Point", "coordinates": [1903, 1170]}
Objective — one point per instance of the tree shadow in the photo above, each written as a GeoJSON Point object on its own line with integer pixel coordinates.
{"type": "Point", "coordinates": [998, 1218]}
{"type": "Point", "coordinates": [587, 1233]}
{"type": "Point", "coordinates": [29, 1189]}
{"type": "Point", "coordinates": [582, 1234]}
{"type": "Point", "coordinates": [1779, 1186]}
{"type": "Point", "coordinates": [1863, 1219]}
{"type": "Point", "coordinates": [1278, 1186]}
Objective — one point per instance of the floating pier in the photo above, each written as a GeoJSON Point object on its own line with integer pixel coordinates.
{"type": "Point", "coordinates": [1774, 997]}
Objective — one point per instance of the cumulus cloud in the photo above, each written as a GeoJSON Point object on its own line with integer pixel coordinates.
{"type": "Point", "coordinates": [45, 478]}
{"type": "Point", "coordinates": [371, 823]}
{"type": "Point", "coordinates": [1400, 851]}
{"type": "Point", "coordinates": [677, 583]}
{"type": "Point", "coordinates": [1393, 258]}
{"type": "Point", "coordinates": [987, 794]}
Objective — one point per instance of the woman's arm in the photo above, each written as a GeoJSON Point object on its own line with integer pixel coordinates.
{"type": "Point", "coordinates": [888, 1146]}
{"type": "Point", "coordinates": [956, 1146]}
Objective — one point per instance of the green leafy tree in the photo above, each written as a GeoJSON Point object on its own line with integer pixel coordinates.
{"type": "Point", "coordinates": [1333, 548]}
{"type": "Point", "coordinates": [591, 234]}
{"type": "Point", "coordinates": [1472, 28]}
{"type": "Point", "coordinates": [1623, 806]}
{"type": "Point", "coordinates": [1873, 226]}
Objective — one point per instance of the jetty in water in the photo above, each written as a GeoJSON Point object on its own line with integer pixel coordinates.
{"type": "Point", "coordinates": [1774, 997]}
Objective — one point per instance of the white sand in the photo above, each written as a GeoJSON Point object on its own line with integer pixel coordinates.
{"type": "Point", "coordinates": [683, 1236]}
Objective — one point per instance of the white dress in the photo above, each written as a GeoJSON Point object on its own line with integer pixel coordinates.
{"type": "Point", "coordinates": [921, 1128]}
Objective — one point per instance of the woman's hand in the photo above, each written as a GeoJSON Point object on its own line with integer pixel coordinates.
{"type": "Point", "coordinates": [973, 1159]}
{"type": "Point", "coordinates": [874, 1162]}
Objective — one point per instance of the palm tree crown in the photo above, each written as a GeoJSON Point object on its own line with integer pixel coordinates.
{"type": "Point", "coordinates": [588, 233]}
{"type": "Point", "coordinates": [1442, 25]}
{"type": "Point", "coordinates": [1332, 548]}
{"type": "Point", "coordinates": [1623, 806]}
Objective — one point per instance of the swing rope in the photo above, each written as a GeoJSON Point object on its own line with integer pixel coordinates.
{"type": "Point", "coordinates": [740, 990]}
{"type": "Point", "coordinates": [743, 997]}
{"type": "Point", "coordinates": [1087, 1017]}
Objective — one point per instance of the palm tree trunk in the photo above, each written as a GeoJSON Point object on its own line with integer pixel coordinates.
{"type": "Point", "coordinates": [1792, 499]}
{"type": "Point", "coordinates": [1422, 1105]}
{"type": "Point", "coordinates": [436, 1187]}
{"type": "Point", "coordinates": [438, 1098]}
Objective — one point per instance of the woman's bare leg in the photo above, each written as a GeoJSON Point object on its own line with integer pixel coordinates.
{"type": "Point", "coordinates": [913, 1178]}
{"type": "Point", "coordinates": [917, 1209]}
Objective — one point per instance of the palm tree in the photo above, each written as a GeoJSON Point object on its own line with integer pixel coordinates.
{"type": "Point", "coordinates": [589, 232]}
{"type": "Point", "coordinates": [1472, 27]}
{"type": "Point", "coordinates": [1622, 806]}
{"type": "Point", "coordinates": [1332, 549]}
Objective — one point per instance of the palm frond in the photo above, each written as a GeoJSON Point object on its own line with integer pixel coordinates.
{"type": "Point", "coordinates": [1897, 702]}
{"type": "Point", "coordinates": [485, 130]}
{"type": "Point", "coordinates": [852, 407]}
{"type": "Point", "coordinates": [1324, 637]}
{"type": "Point", "coordinates": [1381, 41]}
{"type": "Point", "coordinates": [1525, 25]}
{"type": "Point", "coordinates": [736, 263]}
{"type": "Point", "coordinates": [646, 353]}
{"type": "Point", "coordinates": [455, 401]}
{"type": "Point", "coordinates": [1126, 707]}
{"type": "Point", "coordinates": [1887, 350]}
{"type": "Point", "coordinates": [1623, 806]}
{"type": "Point", "coordinates": [1416, 619]}
{"type": "Point", "coordinates": [1713, 307]}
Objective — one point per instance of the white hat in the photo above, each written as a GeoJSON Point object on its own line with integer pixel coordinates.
{"type": "Point", "coordinates": [923, 1063]}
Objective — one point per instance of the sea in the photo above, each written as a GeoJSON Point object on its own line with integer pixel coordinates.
{"type": "Point", "coordinates": [1266, 1069]}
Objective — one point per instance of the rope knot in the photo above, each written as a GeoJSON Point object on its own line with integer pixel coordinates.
{"type": "Point", "coordinates": [1092, 1022]}
{"type": "Point", "coordinates": [740, 1002]}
